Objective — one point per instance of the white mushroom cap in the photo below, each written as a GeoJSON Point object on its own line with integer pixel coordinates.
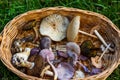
{"type": "Point", "coordinates": [54, 26]}
{"type": "Point", "coordinates": [73, 28]}
{"type": "Point", "coordinates": [79, 74]}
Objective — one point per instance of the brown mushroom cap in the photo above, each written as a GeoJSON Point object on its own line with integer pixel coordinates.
{"type": "Point", "coordinates": [54, 26]}
{"type": "Point", "coordinates": [73, 29]}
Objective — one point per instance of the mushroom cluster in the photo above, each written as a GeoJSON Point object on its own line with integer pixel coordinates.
{"type": "Point", "coordinates": [51, 50]}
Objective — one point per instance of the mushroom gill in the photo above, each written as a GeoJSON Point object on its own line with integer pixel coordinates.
{"type": "Point", "coordinates": [54, 26]}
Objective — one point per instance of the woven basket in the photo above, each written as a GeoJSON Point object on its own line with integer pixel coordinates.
{"type": "Point", "coordinates": [89, 22]}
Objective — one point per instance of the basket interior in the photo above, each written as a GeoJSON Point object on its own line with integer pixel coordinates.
{"type": "Point", "coordinates": [88, 23]}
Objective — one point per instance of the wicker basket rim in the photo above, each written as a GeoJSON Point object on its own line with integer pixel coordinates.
{"type": "Point", "coordinates": [13, 21]}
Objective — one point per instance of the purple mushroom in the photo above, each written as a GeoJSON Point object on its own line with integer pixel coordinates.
{"type": "Point", "coordinates": [46, 52]}
{"type": "Point", "coordinates": [35, 50]}
{"type": "Point", "coordinates": [73, 50]}
{"type": "Point", "coordinates": [62, 54]}
{"type": "Point", "coordinates": [73, 56]}
{"type": "Point", "coordinates": [84, 67]}
{"type": "Point", "coordinates": [65, 71]}
{"type": "Point", "coordinates": [45, 43]}
{"type": "Point", "coordinates": [83, 58]}
{"type": "Point", "coordinates": [49, 56]}
{"type": "Point", "coordinates": [95, 71]}
{"type": "Point", "coordinates": [73, 47]}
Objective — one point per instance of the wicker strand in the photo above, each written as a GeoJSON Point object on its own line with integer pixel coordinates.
{"type": "Point", "coordinates": [0, 38]}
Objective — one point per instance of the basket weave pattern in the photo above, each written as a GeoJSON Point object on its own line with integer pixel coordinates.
{"type": "Point", "coordinates": [88, 20]}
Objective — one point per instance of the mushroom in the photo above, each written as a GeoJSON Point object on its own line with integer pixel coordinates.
{"type": "Point", "coordinates": [45, 43]}
{"type": "Point", "coordinates": [62, 54]}
{"type": "Point", "coordinates": [35, 50]}
{"type": "Point", "coordinates": [53, 67]}
{"type": "Point", "coordinates": [108, 46]}
{"type": "Point", "coordinates": [20, 59]}
{"type": "Point", "coordinates": [102, 40]}
{"type": "Point", "coordinates": [65, 71]}
{"type": "Point", "coordinates": [102, 47]}
{"type": "Point", "coordinates": [79, 74]}
{"type": "Point", "coordinates": [73, 50]}
{"type": "Point", "coordinates": [84, 67]}
{"type": "Point", "coordinates": [49, 73]}
{"type": "Point", "coordinates": [46, 52]}
{"type": "Point", "coordinates": [21, 44]}
{"type": "Point", "coordinates": [87, 49]}
{"type": "Point", "coordinates": [39, 65]}
{"type": "Point", "coordinates": [97, 63]}
{"type": "Point", "coordinates": [95, 71]}
{"type": "Point", "coordinates": [54, 26]}
{"type": "Point", "coordinates": [44, 70]}
{"type": "Point", "coordinates": [83, 58]}
{"type": "Point", "coordinates": [73, 29]}
{"type": "Point", "coordinates": [48, 56]}
{"type": "Point", "coordinates": [72, 46]}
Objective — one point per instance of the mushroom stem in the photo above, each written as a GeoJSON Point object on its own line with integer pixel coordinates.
{"type": "Point", "coordinates": [54, 69]}
{"type": "Point", "coordinates": [27, 64]}
{"type": "Point", "coordinates": [87, 34]}
{"type": "Point", "coordinates": [95, 62]}
{"type": "Point", "coordinates": [49, 73]}
{"type": "Point", "coordinates": [104, 52]}
{"type": "Point", "coordinates": [27, 51]}
{"type": "Point", "coordinates": [102, 40]}
{"type": "Point", "coordinates": [43, 71]}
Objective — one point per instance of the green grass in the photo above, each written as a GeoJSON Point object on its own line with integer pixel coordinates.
{"type": "Point", "coordinates": [11, 8]}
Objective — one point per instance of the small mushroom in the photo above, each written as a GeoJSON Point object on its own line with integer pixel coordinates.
{"type": "Point", "coordinates": [104, 52]}
{"type": "Point", "coordinates": [44, 70]}
{"type": "Point", "coordinates": [39, 65]}
{"type": "Point", "coordinates": [20, 59]}
{"type": "Point", "coordinates": [73, 29]}
{"type": "Point", "coordinates": [49, 73]}
{"type": "Point", "coordinates": [84, 67]}
{"type": "Point", "coordinates": [46, 52]}
{"type": "Point", "coordinates": [65, 71]}
{"type": "Point", "coordinates": [45, 43]}
{"type": "Point", "coordinates": [54, 26]}
{"type": "Point", "coordinates": [26, 64]}
{"type": "Point", "coordinates": [102, 47]}
{"type": "Point", "coordinates": [87, 49]}
{"type": "Point", "coordinates": [73, 57]}
{"type": "Point", "coordinates": [48, 56]}
{"type": "Point", "coordinates": [53, 67]}
{"type": "Point", "coordinates": [95, 71]}
{"type": "Point", "coordinates": [102, 40]}
{"type": "Point", "coordinates": [35, 50]}
{"type": "Point", "coordinates": [21, 44]}
{"type": "Point", "coordinates": [73, 50]}
{"type": "Point", "coordinates": [97, 63]}
{"type": "Point", "coordinates": [72, 46]}
{"type": "Point", "coordinates": [83, 58]}
{"type": "Point", "coordinates": [62, 54]}
{"type": "Point", "coordinates": [79, 74]}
